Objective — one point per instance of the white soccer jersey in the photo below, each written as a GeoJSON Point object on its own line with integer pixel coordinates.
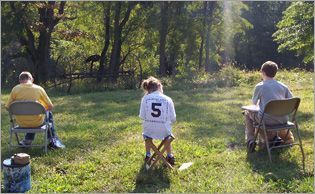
{"type": "Point", "coordinates": [158, 113]}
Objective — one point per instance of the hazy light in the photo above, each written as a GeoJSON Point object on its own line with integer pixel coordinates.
{"type": "Point", "coordinates": [227, 31]}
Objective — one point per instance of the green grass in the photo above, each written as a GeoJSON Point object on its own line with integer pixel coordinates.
{"type": "Point", "coordinates": [104, 147]}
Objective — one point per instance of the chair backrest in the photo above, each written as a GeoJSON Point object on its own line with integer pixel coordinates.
{"type": "Point", "coordinates": [282, 107]}
{"type": "Point", "coordinates": [26, 107]}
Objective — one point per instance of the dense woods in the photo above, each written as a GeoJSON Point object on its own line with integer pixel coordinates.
{"type": "Point", "coordinates": [122, 42]}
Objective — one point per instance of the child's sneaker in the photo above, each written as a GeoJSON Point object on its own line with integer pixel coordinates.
{"type": "Point", "coordinates": [171, 160]}
{"type": "Point", "coordinates": [276, 141]}
{"type": "Point", "coordinates": [251, 144]}
{"type": "Point", "coordinates": [146, 159]}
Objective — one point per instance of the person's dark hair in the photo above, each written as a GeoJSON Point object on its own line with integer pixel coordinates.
{"type": "Point", "coordinates": [151, 84]}
{"type": "Point", "coordinates": [270, 68]}
{"type": "Point", "coordinates": [25, 75]}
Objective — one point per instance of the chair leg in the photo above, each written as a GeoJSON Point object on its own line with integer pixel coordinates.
{"type": "Point", "coordinates": [45, 141]}
{"type": "Point", "coordinates": [165, 143]}
{"type": "Point", "coordinates": [301, 147]}
{"type": "Point", "coordinates": [159, 147]}
{"type": "Point", "coordinates": [10, 147]}
{"type": "Point", "coordinates": [150, 143]}
{"type": "Point", "coordinates": [160, 155]}
{"type": "Point", "coordinates": [286, 136]}
{"type": "Point", "coordinates": [267, 144]}
{"type": "Point", "coordinates": [17, 138]}
{"type": "Point", "coordinates": [256, 134]}
{"type": "Point", "coordinates": [156, 151]}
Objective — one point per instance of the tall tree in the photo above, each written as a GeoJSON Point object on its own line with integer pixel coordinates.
{"type": "Point", "coordinates": [296, 30]}
{"type": "Point", "coordinates": [209, 9]}
{"type": "Point", "coordinates": [258, 45]}
{"type": "Point", "coordinates": [163, 33]}
{"type": "Point", "coordinates": [115, 58]}
{"type": "Point", "coordinates": [103, 60]}
{"type": "Point", "coordinates": [39, 49]}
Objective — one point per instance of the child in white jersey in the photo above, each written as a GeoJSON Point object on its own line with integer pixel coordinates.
{"type": "Point", "coordinates": [158, 113]}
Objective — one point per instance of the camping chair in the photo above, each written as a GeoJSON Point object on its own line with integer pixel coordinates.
{"type": "Point", "coordinates": [27, 108]}
{"type": "Point", "coordinates": [278, 108]}
{"type": "Point", "coordinates": [165, 143]}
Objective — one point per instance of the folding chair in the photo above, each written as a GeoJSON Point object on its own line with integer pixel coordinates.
{"type": "Point", "coordinates": [27, 108]}
{"type": "Point", "coordinates": [159, 151]}
{"type": "Point", "coordinates": [278, 108]}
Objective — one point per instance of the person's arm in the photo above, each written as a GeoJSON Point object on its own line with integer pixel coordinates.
{"type": "Point", "coordinates": [256, 95]}
{"type": "Point", "coordinates": [172, 111]}
{"type": "Point", "coordinates": [142, 109]}
{"type": "Point", "coordinates": [288, 94]}
{"type": "Point", "coordinates": [45, 101]}
{"type": "Point", "coordinates": [11, 99]}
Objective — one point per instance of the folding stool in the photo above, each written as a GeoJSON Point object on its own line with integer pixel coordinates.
{"type": "Point", "coordinates": [159, 151]}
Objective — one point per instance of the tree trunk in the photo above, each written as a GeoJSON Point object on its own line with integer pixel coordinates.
{"type": "Point", "coordinates": [115, 54]}
{"type": "Point", "coordinates": [140, 73]}
{"type": "Point", "coordinates": [202, 35]}
{"type": "Point", "coordinates": [103, 60]}
{"type": "Point", "coordinates": [163, 34]}
{"type": "Point", "coordinates": [116, 49]}
{"type": "Point", "coordinates": [41, 55]}
{"type": "Point", "coordinates": [201, 53]}
{"type": "Point", "coordinates": [209, 66]}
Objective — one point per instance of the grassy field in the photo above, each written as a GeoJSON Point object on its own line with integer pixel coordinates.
{"type": "Point", "coordinates": [104, 147]}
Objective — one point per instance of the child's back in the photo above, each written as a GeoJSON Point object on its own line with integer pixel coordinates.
{"type": "Point", "coordinates": [158, 114]}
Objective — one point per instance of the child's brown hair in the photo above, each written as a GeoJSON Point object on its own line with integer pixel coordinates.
{"type": "Point", "coordinates": [151, 84]}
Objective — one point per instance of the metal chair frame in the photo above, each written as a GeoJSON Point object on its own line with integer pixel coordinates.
{"type": "Point", "coordinates": [27, 107]}
{"type": "Point", "coordinates": [278, 108]}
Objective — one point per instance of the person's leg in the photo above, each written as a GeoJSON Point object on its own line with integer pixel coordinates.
{"type": "Point", "coordinates": [55, 142]}
{"type": "Point", "coordinates": [286, 137]}
{"type": "Point", "coordinates": [170, 157]}
{"type": "Point", "coordinates": [147, 146]}
{"type": "Point", "coordinates": [29, 137]}
{"type": "Point", "coordinates": [50, 119]}
{"type": "Point", "coordinates": [169, 148]}
{"type": "Point", "coordinates": [250, 119]}
{"type": "Point", "coordinates": [147, 149]}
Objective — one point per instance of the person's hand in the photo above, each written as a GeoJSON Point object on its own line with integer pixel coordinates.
{"type": "Point", "coordinates": [49, 108]}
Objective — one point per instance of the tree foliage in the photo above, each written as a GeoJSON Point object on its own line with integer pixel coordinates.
{"type": "Point", "coordinates": [296, 30]}
{"type": "Point", "coordinates": [120, 42]}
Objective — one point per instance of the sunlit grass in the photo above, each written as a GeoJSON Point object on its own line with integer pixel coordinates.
{"type": "Point", "coordinates": [104, 148]}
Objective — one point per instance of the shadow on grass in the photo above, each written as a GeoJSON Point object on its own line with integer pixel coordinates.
{"type": "Point", "coordinates": [152, 181]}
{"type": "Point", "coordinates": [281, 171]}
{"type": "Point", "coordinates": [305, 118]}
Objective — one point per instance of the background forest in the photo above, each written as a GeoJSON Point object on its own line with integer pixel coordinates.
{"type": "Point", "coordinates": [207, 55]}
{"type": "Point", "coordinates": [104, 45]}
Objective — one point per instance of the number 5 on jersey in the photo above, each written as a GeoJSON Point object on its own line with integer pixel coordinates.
{"type": "Point", "coordinates": [156, 112]}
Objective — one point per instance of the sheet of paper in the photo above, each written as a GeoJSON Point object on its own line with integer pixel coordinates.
{"type": "Point", "coordinates": [185, 166]}
{"type": "Point", "coordinates": [253, 108]}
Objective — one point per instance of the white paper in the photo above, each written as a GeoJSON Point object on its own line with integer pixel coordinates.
{"type": "Point", "coordinates": [185, 166]}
